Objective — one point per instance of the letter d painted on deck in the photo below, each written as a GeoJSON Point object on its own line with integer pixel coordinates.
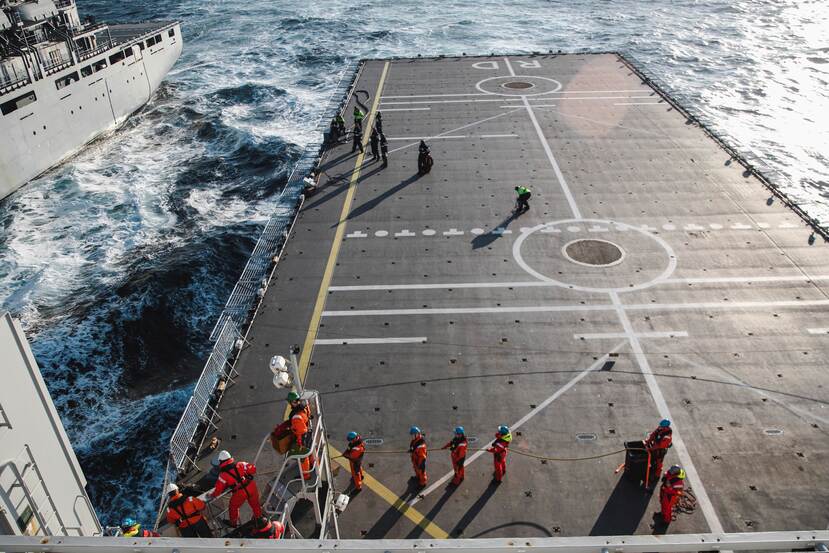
{"type": "Point", "coordinates": [485, 65]}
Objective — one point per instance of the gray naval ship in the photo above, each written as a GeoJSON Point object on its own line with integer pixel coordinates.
{"type": "Point", "coordinates": [658, 274]}
{"type": "Point", "coordinates": [66, 81]}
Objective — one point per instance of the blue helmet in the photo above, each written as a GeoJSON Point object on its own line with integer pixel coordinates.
{"type": "Point", "coordinates": [459, 430]}
{"type": "Point", "coordinates": [664, 423]}
{"type": "Point", "coordinates": [414, 430]}
{"type": "Point", "coordinates": [128, 522]}
{"type": "Point", "coordinates": [503, 430]}
{"type": "Point", "coordinates": [351, 436]}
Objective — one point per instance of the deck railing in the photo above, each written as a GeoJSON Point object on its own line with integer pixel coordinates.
{"type": "Point", "coordinates": [8, 86]}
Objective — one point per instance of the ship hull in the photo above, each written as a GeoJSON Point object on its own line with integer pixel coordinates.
{"type": "Point", "coordinates": [61, 122]}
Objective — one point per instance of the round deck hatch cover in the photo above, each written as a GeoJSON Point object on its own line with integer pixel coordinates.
{"type": "Point", "coordinates": [598, 253]}
{"type": "Point", "coordinates": [518, 85]}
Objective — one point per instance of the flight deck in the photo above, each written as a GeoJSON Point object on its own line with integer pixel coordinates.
{"type": "Point", "coordinates": [654, 276]}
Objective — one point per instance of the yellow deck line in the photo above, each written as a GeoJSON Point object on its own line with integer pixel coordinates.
{"type": "Point", "coordinates": [313, 326]}
{"type": "Point", "coordinates": [393, 499]}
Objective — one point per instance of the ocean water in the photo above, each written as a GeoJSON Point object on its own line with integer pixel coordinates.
{"type": "Point", "coordinates": [119, 261]}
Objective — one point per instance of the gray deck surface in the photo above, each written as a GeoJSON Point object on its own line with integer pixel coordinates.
{"type": "Point", "coordinates": [718, 310]}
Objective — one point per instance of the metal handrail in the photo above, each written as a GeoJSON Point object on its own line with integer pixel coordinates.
{"type": "Point", "coordinates": [29, 494]}
{"type": "Point", "coordinates": [314, 450]}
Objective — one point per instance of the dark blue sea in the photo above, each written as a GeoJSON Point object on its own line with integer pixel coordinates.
{"type": "Point", "coordinates": [119, 261]}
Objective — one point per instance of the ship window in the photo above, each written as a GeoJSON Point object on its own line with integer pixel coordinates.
{"type": "Point", "coordinates": [86, 71]}
{"type": "Point", "coordinates": [66, 80]}
{"type": "Point", "coordinates": [116, 57]}
{"type": "Point", "coordinates": [151, 41]}
{"type": "Point", "coordinates": [17, 103]}
{"type": "Point", "coordinates": [128, 52]}
{"type": "Point", "coordinates": [140, 46]}
{"type": "Point", "coordinates": [157, 38]}
{"type": "Point", "coordinates": [171, 33]}
{"type": "Point", "coordinates": [98, 65]}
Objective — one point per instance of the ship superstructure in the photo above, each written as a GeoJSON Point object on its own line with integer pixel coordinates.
{"type": "Point", "coordinates": [66, 81]}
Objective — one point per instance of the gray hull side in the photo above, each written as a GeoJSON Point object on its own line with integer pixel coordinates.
{"type": "Point", "coordinates": [61, 122]}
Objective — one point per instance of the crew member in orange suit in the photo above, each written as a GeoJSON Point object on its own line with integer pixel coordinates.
{"type": "Point", "coordinates": [265, 529]}
{"type": "Point", "coordinates": [673, 486]}
{"type": "Point", "coordinates": [657, 445]}
{"type": "Point", "coordinates": [457, 450]}
{"type": "Point", "coordinates": [300, 418]}
{"type": "Point", "coordinates": [238, 476]}
{"type": "Point", "coordinates": [354, 453]}
{"type": "Point", "coordinates": [499, 450]}
{"type": "Point", "coordinates": [417, 448]}
{"type": "Point", "coordinates": [186, 514]}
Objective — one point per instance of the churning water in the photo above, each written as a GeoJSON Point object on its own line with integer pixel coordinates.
{"type": "Point", "coordinates": [119, 261]}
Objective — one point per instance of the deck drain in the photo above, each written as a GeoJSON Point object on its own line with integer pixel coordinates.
{"type": "Point", "coordinates": [518, 85]}
{"type": "Point", "coordinates": [586, 437]}
{"type": "Point", "coordinates": [593, 252]}
{"type": "Point", "coordinates": [373, 441]}
{"type": "Point", "coordinates": [773, 431]}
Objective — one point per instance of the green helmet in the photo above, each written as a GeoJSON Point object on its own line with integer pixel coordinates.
{"type": "Point", "coordinates": [293, 396]}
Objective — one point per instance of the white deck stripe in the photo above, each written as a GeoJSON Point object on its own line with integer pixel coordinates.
{"type": "Point", "coordinates": [364, 341]}
{"type": "Point", "coordinates": [562, 182]}
{"type": "Point", "coordinates": [406, 109]}
{"type": "Point", "coordinates": [729, 305]}
{"type": "Point", "coordinates": [679, 445]}
{"type": "Point", "coordinates": [817, 330]}
{"type": "Point", "coordinates": [640, 91]}
{"type": "Point", "coordinates": [375, 287]}
{"type": "Point", "coordinates": [436, 95]}
{"type": "Point", "coordinates": [540, 407]}
{"type": "Point", "coordinates": [538, 283]}
{"type": "Point", "coordinates": [603, 335]}
{"type": "Point", "coordinates": [640, 104]}
{"type": "Point", "coordinates": [746, 279]}
{"type": "Point", "coordinates": [465, 310]}
{"type": "Point", "coordinates": [509, 67]}
{"type": "Point", "coordinates": [496, 136]}
{"type": "Point", "coordinates": [538, 98]}
{"type": "Point", "coordinates": [575, 308]}
{"type": "Point", "coordinates": [449, 101]}
{"type": "Point", "coordinates": [428, 137]}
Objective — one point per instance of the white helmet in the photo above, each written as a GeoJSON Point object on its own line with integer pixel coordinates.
{"type": "Point", "coordinates": [171, 488]}
{"type": "Point", "coordinates": [223, 456]}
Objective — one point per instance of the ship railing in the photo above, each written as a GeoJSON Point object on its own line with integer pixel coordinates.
{"type": "Point", "coordinates": [36, 496]}
{"type": "Point", "coordinates": [86, 54]}
{"type": "Point", "coordinates": [8, 86]}
{"type": "Point", "coordinates": [55, 67]}
{"type": "Point", "coordinates": [61, 4]}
